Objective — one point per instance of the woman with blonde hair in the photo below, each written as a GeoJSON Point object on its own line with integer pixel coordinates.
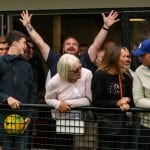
{"type": "Point", "coordinates": [68, 89]}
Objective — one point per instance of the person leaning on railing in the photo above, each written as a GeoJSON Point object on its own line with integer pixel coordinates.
{"type": "Point", "coordinates": [141, 92]}
{"type": "Point", "coordinates": [112, 88]}
{"type": "Point", "coordinates": [68, 89]}
{"type": "Point", "coordinates": [16, 86]}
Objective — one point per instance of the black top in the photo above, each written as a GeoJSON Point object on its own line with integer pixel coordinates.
{"type": "Point", "coordinates": [106, 89]}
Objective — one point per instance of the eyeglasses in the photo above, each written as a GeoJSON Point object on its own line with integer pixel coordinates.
{"type": "Point", "coordinates": [76, 70]}
{"type": "Point", "coordinates": [2, 49]}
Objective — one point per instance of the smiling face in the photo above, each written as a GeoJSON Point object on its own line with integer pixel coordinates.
{"type": "Point", "coordinates": [127, 57]}
{"type": "Point", "coordinates": [123, 59]}
{"type": "Point", "coordinates": [71, 46]}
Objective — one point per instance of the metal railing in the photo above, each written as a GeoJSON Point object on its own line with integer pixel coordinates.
{"type": "Point", "coordinates": [85, 128]}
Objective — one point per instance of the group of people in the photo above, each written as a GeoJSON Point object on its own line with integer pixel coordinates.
{"type": "Point", "coordinates": [99, 77]}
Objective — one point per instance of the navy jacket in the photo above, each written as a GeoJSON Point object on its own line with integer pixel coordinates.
{"type": "Point", "coordinates": [16, 80]}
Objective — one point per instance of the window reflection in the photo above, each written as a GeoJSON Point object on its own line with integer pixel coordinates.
{"type": "Point", "coordinates": [139, 30]}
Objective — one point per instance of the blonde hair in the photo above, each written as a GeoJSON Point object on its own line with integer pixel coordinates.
{"type": "Point", "coordinates": [65, 65]}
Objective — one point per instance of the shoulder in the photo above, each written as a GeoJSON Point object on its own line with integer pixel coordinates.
{"type": "Point", "coordinates": [52, 56]}
{"type": "Point", "coordinates": [86, 72]}
{"type": "Point", "coordinates": [55, 81]}
{"type": "Point", "coordinates": [142, 70]}
{"type": "Point", "coordinates": [100, 73]}
{"type": "Point", "coordinates": [84, 58]}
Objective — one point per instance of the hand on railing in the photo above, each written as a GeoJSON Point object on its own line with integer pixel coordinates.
{"type": "Point", "coordinates": [13, 103]}
{"type": "Point", "coordinates": [26, 124]}
{"type": "Point", "coordinates": [63, 107]}
{"type": "Point", "coordinates": [123, 103]}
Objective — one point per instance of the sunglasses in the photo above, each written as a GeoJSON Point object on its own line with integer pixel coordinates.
{"type": "Point", "coordinates": [77, 70]}
{"type": "Point", "coordinates": [2, 49]}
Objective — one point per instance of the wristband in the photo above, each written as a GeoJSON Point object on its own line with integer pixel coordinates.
{"type": "Point", "coordinates": [105, 28]}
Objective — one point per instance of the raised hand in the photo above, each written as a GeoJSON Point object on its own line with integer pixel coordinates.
{"type": "Point", "coordinates": [110, 19]}
{"type": "Point", "coordinates": [25, 18]}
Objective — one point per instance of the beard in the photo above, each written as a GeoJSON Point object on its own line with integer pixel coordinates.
{"type": "Point", "coordinates": [71, 50]}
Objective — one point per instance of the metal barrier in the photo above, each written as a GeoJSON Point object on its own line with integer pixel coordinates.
{"type": "Point", "coordinates": [86, 128]}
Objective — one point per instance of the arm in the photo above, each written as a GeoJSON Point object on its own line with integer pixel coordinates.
{"type": "Point", "coordinates": [12, 102]}
{"type": "Point", "coordinates": [43, 47]}
{"type": "Point", "coordinates": [99, 39]}
{"type": "Point", "coordinates": [51, 94]}
{"type": "Point", "coordinates": [140, 100]}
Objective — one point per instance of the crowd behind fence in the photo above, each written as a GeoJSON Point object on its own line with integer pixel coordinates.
{"type": "Point", "coordinates": [80, 132]}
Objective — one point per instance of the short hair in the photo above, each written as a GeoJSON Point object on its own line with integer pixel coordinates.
{"type": "Point", "coordinates": [2, 40]}
{"type": "Point", "coordinates": [70, 37]}
{"type": "Point", "coordinates": [65, 65]}
{"type": "Point", "coordinates": [14, 35]}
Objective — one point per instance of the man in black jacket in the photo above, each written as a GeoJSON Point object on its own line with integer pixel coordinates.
{"type": "Point", "coordinates": [16, 86]}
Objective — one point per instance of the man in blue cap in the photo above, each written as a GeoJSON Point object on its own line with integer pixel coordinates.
{"type": "Point", "coordinates": [141, 91]}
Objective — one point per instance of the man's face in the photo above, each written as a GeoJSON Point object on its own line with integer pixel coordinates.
{"type": "Point", "coordinates": [145, 59]}
{"type": "Point", "coordinates": [21, 45]}
{"type": "Point", "coordinates": [71, 46]}
{"type": "Point", "coordinates": [3, 48]}
{"type": "Point", "coordinates": [29, 51]}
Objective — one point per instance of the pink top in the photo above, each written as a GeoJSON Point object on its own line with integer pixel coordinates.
{"type": "Point", "coordinates": [76, 94]}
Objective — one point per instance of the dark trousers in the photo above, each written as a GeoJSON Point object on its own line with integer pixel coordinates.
{"type": "Point", "coordinates": [144, 138]}
{"type": "Point", "coordinates": [111, 141]}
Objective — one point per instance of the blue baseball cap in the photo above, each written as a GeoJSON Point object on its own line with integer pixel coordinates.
{"type": "Point", "coordinates": [143, 48]}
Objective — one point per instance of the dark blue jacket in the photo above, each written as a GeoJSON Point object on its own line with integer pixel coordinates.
{"type": "Point", "coordinates": [84, 59]}
{"type": "Point", "coordinates": [16, 80]}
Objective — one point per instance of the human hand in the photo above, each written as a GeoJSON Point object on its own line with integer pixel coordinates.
{"type": "Point", "coordinates": [124, 107]}
{"type": "Point", "coordinates": [110, 19]}
{"type": "Point", "coordinates": [26, 124]}
{"type": "Point", "coordinates": [25, 18]}
{"type": "Point", "coordinates": [63, 107]}
{"type": "Point", "coordinates": [13, 103]}
{"type": "Point", "coordinates": [123, 100]}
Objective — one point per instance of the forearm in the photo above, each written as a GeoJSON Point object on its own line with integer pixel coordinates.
{"type": "Point", "coordinates": [96, 45]}
{"type": "Point", "coordinates": [38, 40]}
{"type": "Point", "coordinates": [143, 103]}
{"type": "Point", "coordinates": [78, 102]}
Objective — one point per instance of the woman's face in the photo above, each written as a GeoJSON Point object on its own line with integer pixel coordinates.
{"type": "Point", "coordinates": [123, 59]}
{"type": "Point", "coordinates": [75, 73]}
